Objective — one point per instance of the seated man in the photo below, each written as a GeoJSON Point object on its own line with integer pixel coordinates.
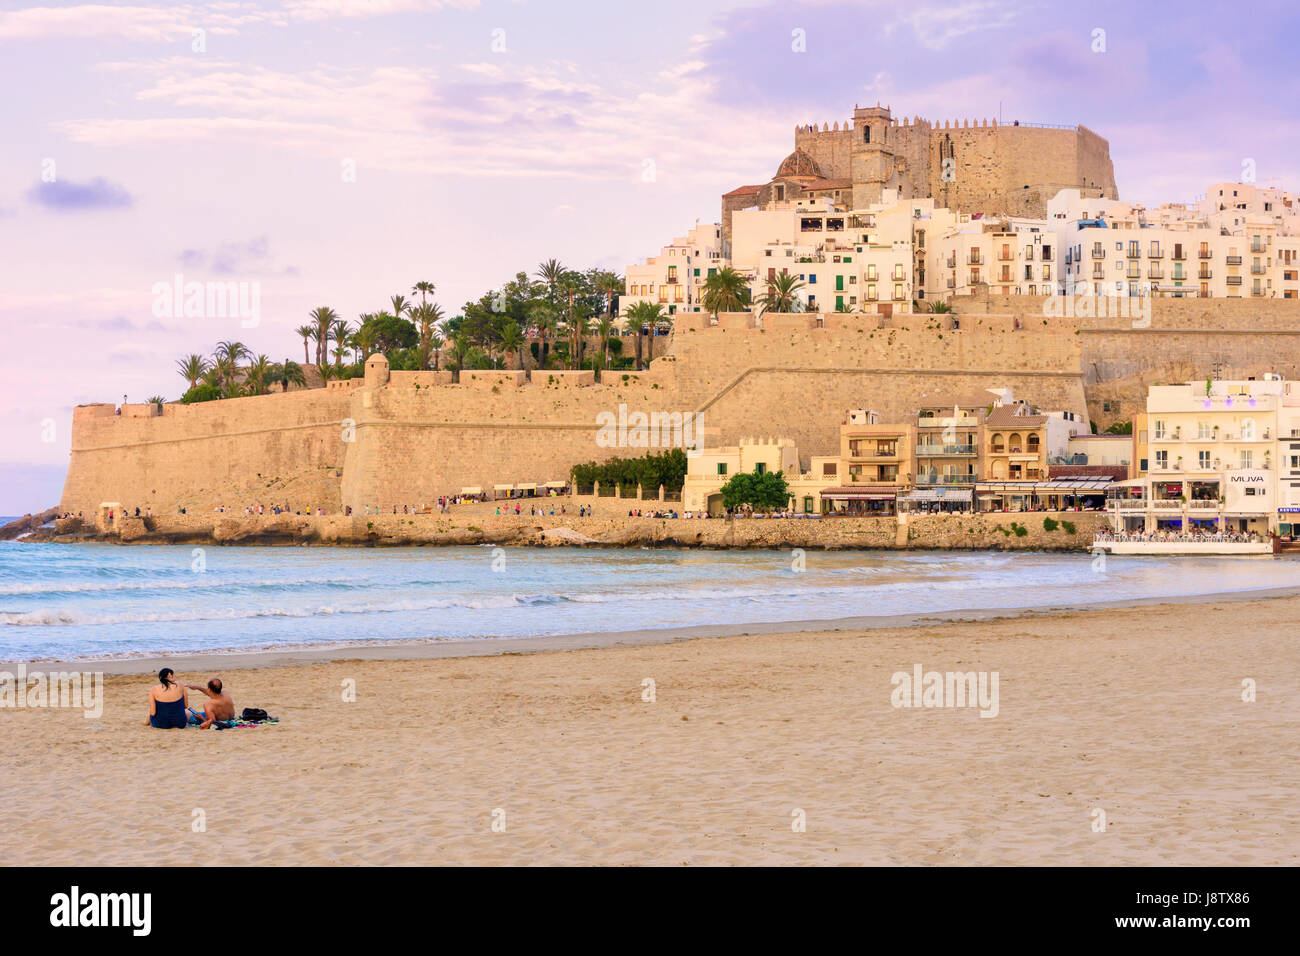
{"type": "Point", "coordinates": [218, 706]}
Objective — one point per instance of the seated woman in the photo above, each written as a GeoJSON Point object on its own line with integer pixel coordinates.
{"type": "Point", "coordinates": [167, 703]}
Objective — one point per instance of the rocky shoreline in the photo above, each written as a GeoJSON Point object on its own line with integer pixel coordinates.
{"type": "Point", "coordinates": [1036, 531]}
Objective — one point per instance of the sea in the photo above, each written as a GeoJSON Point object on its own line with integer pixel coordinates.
{"type": "Point", "coordinates": [100, 600]}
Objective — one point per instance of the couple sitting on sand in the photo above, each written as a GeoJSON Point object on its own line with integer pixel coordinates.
{"type": "Point", "coordinates": [169, 703]}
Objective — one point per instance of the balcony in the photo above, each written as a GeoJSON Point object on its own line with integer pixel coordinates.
{"type": "Point", "coordinates": [1257, 270]}
{"type": "Point", "coordinates": [1005, 256]}
{"type": "Point", "coordinates": [1179, 256]}
{"type": "Point", "coordinates": [1098, 252]}
{"type": "Point", "coordinates": [1155, 254]}
{"type": "Point", "coordinates": [1233, 280]}
{"type": "Point", "coordinates": [936, 479]}
{"type": "Point", "coordinates": [1234, 260]}
{"type": "Point", "coordinates": [1135, 252]}
{"type": "Point", "coordinates": [1205, 274]}
{"type": "Point", "coordinates": [936, 450]}
{"type": "Point", "coordinates": [1155, 272]}
{"type": "Point", "coordinates": [1128, 504]}
{"type": "Point", "coordinates": [1205, 254]}
{"type": "Point", "coordinates": [974, 258]}
{"type": "Point", "coordinates": [951, 262]}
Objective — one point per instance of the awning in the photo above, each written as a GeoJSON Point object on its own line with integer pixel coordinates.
{"type": "Point", "coordinates": [940, 494]}
{"type": "Point", "coordinates": [475, 490]}
{"type": "Point", "coordinates": [1051, 487]}
{"type": "Point", "coordinates": [557, 484]}
{"type": "Point", "coordinates": [527, 486]}
{"type": "Point", "coordinates": [865, 493]}
{"type": "Point", "coordinates": [503, 487]}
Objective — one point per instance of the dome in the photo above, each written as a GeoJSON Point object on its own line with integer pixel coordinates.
{"type": "Point", "coordinates": [379, 358]}
{"type": "Point", "coordinates": [798, 165]}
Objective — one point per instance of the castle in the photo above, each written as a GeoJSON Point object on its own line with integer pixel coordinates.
{"type": "Point", "coordinates": [979, 166]}
{"type": "Point", "coordinates": [400, 438]}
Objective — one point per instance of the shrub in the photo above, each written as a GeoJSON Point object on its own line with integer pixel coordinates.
{"type": "Point", "coordinates": [1050, 524]}
{"type": "Point", "coordinates": [1068, 526]}
{"type": "Point", "coordinates": [1019, 529]}
{"type": "Point", "coordinates": [201, 393]}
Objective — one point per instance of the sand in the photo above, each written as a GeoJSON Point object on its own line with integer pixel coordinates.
{"type": "Point", "coordinates": [1134, 711]}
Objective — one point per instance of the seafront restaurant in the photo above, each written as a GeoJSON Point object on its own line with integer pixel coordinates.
{"type": "Point", "coordinates": [1157, 504]}
{"type": "Point", "coordinates": [861, 500]}
{"type": "Point", "coordinates": [1053, 494]}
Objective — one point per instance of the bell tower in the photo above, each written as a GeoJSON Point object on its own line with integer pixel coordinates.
{"type": "Point", "coordinates": [874, 162]}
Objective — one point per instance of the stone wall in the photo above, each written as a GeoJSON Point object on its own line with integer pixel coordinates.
{"type": "Point", "coordinates": [419, 436]}
{"type": "Point", "coordinates": [609, 528]}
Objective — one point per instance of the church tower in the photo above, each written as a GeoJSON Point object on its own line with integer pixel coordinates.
{"type": "Point", "coordinates": [875, 164]}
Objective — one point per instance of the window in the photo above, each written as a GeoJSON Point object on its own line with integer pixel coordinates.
{"type": "Point", "coordinates": [1247, 458]}
{"type": "Point", "coordinates": [1162, 459]}
{"type": "Point", "coordinates": [1203, 460]}
{"type": "Point", "coordinates": [1248, 429]}
{"type": "Point", "coordinates": [722, 467]}
{"type": "Point", "coordinates": [1203, 430]}
{"type": "Point", "coordinates": [898, 290]}
{"type": "Point", "coordinates": [760, 468]}
{"type": "Point", "coordinates": [1160, 429]}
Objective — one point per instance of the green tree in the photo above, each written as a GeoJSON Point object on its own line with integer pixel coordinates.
{"type": "Point", "coordinates": [201, 393]}
{"type": "Point", "coordinates": [323, 319]}
{"type": "Point", "coordinates": [761, 491]}
{"type": "Point", "coordinates": [306, 331]}
{"type": "Point", "coordinates": [192, 368]}
{"type": "Point", "coordinates": [640, 317]}
{"type": "Point", "coordinates": [782, 294]}
{"type": "Point", "coordinates": [726, 290]}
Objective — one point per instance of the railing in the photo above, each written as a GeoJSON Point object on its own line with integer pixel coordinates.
{"type": "Point", "coordinates": [1233, 280]}
{"type": "Point", "coordinates": [1257, 270]}
{"type": "Point", "coordinates": [974, 259]}
{"type": "Point", "coordinates": [1157, 254]}
{"type": "Point", "coordinates": [945, 479]}
{"type": "Point", "coordinates": [1205, 274]}
{"type": "Point", "coordinates": [945, 450]}
{"type": "Point", "coordinates": [1205, 254]}
{"type": "Point", "coordinates": [1234, 260]}
{"type": "Point", "coordinates": [1098, 252]}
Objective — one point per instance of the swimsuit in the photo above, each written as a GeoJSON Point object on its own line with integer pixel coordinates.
{"type": "Point", "coordinates": [168, 714]}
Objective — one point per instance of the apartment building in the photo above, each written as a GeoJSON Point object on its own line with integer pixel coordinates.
{"type": "Point", "coordinates": [675, 278]}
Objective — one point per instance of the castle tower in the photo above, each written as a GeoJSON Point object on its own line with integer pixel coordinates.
{"type": "Point", "coordinates": [874, 160]}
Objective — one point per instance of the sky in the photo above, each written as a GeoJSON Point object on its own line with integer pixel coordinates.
{"type": "Point", "coordinates": [334, 152]}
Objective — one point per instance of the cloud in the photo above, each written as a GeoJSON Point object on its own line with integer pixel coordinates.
{"type": "Point", "coordinates": [228, 258]}
{"type": "Point", "coordinates": [64, 195]}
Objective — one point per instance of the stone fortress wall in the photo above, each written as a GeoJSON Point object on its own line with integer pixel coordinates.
{"type": "Point", "coordinates": [415, 436]}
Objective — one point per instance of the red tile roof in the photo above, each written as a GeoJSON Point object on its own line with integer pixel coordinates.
{"type": "Point", "coordinates": [743, 191]}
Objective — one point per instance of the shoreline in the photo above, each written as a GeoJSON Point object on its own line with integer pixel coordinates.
{"type": "Point", "coordinates": [473, 647]}
{"type": "Point", "coordinates": [1000, 531]}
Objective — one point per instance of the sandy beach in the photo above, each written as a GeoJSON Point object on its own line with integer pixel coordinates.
{"type": "Point", "coordinates": [1135, 711]}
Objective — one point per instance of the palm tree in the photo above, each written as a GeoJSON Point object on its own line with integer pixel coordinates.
{"type": "Point", "coordinates": [640, 316]}
{"type": "Point", "coordinates": [288, 373]}
{"type": "Point", "coordinates": [552, 274]}
{"type": "Point", "coordinates": [604, 328]}
{"type": "Point", "coordinates": [324, 318]}
{"type": "Point", "coordinates": [436, 342]}
{"type": "Point", "coordinates": [460, 347]}
{"type": "Point", "coordinates": [400, 305]}
{"type": "Point", "coordinates": [610, 284]}
{"type": "Point", "coordinates": [512, 340]}
{"type": "Point", "coordinates": [936, 306]}
{"type": "Point", "coordinates": [306, 332]}
{"type": "Point", "coordinates": [259, 375]}
{"type": "Point", "coordinates": [726, 291]}
{"type": "Point", "coordinates": [782, 294]}
{"type": "Point", "coordinates": [234, 351]}
{"type": "Point", "coordinates": [223, 373]}
{"type": "Point", "coordinates": [426, 317]}
{"type": "Point", "coordinates": [364, 337]}
{"type": "Point", "coordinates": [542, 316]}
{"type": "Point", "coordinates": [341, 332]}
{"type": "Point", "coordinates": [192, 368]}
{"type": "Point", "coordinates": [158, 400]}
{"type": "Point", "coordinates": [423, 288]}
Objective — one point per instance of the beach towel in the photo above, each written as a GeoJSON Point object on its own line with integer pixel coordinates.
{"type": "Point", "coordinates": [240, 723]}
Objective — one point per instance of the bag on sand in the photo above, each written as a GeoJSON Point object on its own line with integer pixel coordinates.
{"type": "Point", "coordinates": [254, 713]}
